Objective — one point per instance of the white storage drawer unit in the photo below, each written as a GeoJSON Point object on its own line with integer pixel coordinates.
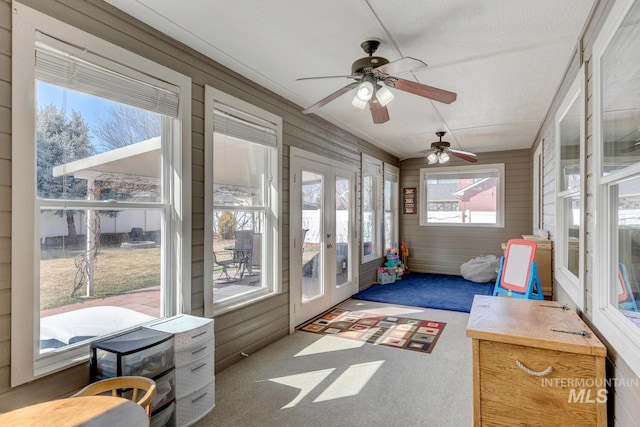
{"type": "Point", "coordinates": [196, 404]}
{"type": "Point", "coordinates": [194, 359]}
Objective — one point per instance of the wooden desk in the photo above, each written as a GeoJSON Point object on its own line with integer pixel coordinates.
{"type": "Point", "coordinates": [86, 411]}
{"type": "Point", "coordinates": [528, 369]}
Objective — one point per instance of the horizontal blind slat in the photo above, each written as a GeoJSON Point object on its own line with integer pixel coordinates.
{"type": "Point", "coordinates": [61, 70]}
{"type": "Point", "coordinates": [227, 124]}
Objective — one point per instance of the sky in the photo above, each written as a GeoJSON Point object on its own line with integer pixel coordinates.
{"type": "Point", "coordinates": [89, 107]}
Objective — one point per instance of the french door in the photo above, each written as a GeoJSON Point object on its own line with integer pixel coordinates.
{"type": "Point", "coordinates": [323, 271]}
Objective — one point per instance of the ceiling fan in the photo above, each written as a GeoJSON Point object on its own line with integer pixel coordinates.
{"type": "Point", "coordinates": [372, 75]}
{"type": "Point", "coordinates": [441, 151]}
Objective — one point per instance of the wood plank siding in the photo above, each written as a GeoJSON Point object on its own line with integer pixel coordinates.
{"type": "Point", "coordinates": [5, 194]}
{"type": "Point", "coordinates": [440, 249]}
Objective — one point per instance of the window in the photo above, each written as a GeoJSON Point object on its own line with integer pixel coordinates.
{"type": "Point", "coordinates": [371, 208]}
{"type": "Point", "coordinates": [391, 205]}
{"type": "Point", "coordinates": [616, 132]}
{"type": "Point", "coordinates": [570, 142]}
{"type": "Point", "coordinates": [242, 148]}
{"type": "Point", "coordinates": [100, 213]}
{"type": "Point", "coordinates": [467, 196]}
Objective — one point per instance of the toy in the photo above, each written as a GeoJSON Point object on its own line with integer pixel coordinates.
{"type": "Point", "coordinates": [404, 255]}
{"type": "Point", "coordinates": [393, 265]}
{"type": "Point", "coordinates": [385, 276]}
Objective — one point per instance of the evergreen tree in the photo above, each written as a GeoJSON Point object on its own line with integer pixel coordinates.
{"type": "Point", "coordinates": [60, 139]}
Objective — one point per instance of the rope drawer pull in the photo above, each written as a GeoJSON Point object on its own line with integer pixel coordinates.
{"type": "Point", "coordinates": [534, 373]}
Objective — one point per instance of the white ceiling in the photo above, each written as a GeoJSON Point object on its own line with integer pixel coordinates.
{"type": "Point", "coordinates": [504, 58]}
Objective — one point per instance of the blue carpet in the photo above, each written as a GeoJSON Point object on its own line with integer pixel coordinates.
{"type": "Point", "coordinates": [440, 291]}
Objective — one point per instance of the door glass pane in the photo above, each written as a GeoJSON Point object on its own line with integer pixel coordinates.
{"type": "Point", "coordinates": [626, 294]}
{"type": "Point", "coordinates": [312, 232]}
{"type": "Point", "coordinates": [343, 216]}
{"type": "Point", "coordinates": [572, 227]}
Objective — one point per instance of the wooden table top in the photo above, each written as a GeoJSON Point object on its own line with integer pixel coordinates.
{"type": "Point", "coordinates": [86, 411]}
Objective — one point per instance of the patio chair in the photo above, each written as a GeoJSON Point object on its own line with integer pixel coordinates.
{"type": "Point", "coordinates": [518, 273]}
{"type": "Point", "coordinates": [225, 264]}
{"type": "Point", "coordinates": [244, 248]}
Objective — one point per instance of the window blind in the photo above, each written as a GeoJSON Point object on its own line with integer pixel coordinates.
{"type": "Point", "coordinates": [74, 68]}
{"type": "Point", "coordinates": [230, 122]}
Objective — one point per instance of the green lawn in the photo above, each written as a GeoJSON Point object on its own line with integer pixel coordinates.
{"type": "Point", "coordinates": [116, 271]}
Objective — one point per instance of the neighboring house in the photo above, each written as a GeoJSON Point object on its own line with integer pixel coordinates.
{"type": "Point", "coordinates": [266, 319]}
{"type": "Point", "coordinates": [478, 196]}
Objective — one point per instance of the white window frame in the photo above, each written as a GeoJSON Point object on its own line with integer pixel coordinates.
{"type": "Point", "coordinates": [573, 285]}
{"type": "Point", "coordinates": [537, 179]}
{"type": "Point", "coordinates": [392, 175]}
{"type": "Point", "coordinates": [619, 331]}
{"type": "Point", "coordinates": [272, 266]}
{"type": "Point", "coordinates": [26, 363]}
{"type": "Point", "coordinates": [372, 167]}
{"type": "Point", "coordinates": [453, 171]}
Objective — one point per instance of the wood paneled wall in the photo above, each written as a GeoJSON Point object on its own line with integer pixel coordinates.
{"type": "Point", "coordinates": [5, 188]}
{"type": "Point", "coordinates": [242, 331]}
{"type": "Point", "coordinates": [623, 399]}
{"type": "Point", "coordinates": [443, 249]}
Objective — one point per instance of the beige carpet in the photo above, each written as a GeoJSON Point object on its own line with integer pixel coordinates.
{"type": "Point", "coordinates": [310, 380]}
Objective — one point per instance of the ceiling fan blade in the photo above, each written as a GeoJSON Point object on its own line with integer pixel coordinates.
{"type": "Point", "coordinates": [430, 92]}
{"type": "Point", "coordinates": [346, 76]}
{"type": "Point", "coordinates": [429, 151]}
{"type": "Point", "coordinates": [463, 152]}
{"type": "Point", "coordinates": [462, 156]}
{"type": "Point", "coordinates": [379, 113]}
{"type": "Point", "coordinates": [330, 98]}
{"type": "Point", "coordinates": [401, 65]}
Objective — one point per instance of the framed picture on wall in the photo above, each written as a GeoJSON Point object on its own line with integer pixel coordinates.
{"type": "Point", "coordinates": [409, 200]}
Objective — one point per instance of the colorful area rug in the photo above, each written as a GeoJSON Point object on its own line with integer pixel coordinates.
{"type": "Point", "coordinates": [392, 331]}
{"type": "Point", "coordinates": [439, 291]}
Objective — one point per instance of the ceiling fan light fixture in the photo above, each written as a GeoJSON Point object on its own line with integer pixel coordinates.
{"type": "Point", "coordinates": [432, 158]}
{"type": "Point", "coordinates": [359, 103]}
{"type": "Point", "coordinates": [365, 89]}
{"type": "Point", "coordinates": [384, 95]}
{"type": "Point", "coordinates": [443, 157]}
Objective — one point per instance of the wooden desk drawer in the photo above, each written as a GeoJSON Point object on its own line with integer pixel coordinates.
{"type": "Point", "coordinates": [569, 395]}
